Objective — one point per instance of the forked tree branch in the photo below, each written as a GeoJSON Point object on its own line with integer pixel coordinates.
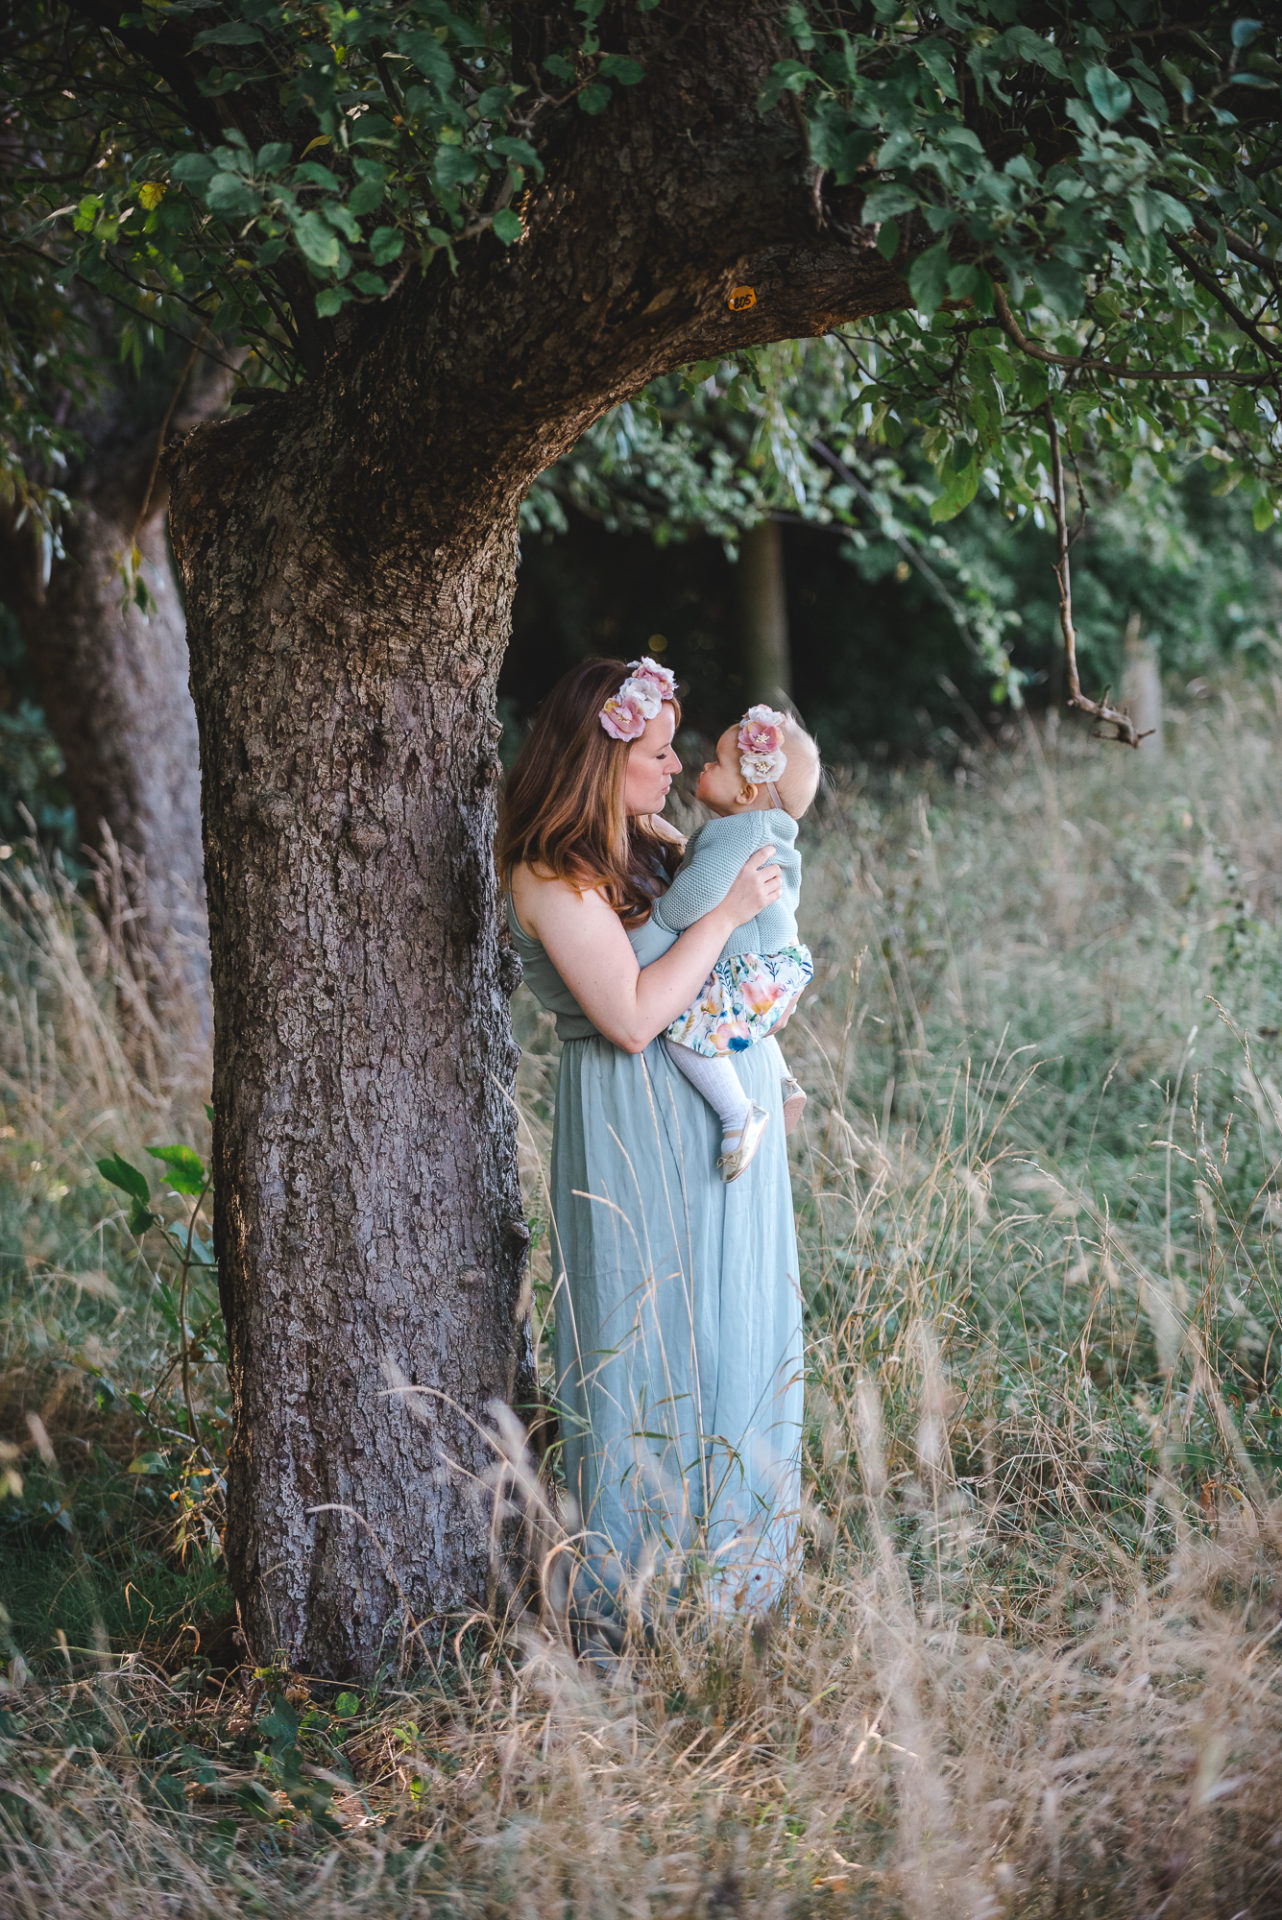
{"type": "Point", "coordinates": [1126, 731]}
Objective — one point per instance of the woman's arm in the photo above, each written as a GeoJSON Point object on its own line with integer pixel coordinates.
{"type": "Point", "coordinates": [586, 943]}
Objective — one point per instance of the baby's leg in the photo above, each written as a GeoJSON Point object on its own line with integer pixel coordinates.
{"type": "Point", "coordinates": [716, 1080]}
{"type": "Point", "coordinates": [742, 1121]}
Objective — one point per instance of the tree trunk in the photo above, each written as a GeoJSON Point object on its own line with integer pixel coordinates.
{"type": "Point", "coordinates": [762, 607]}
{"type": "Point", "coordinates": [369, 1218]}
{"type": "Point", "coordinates": [1142, 688]}
{"type": "Point", "coordinates": [113, 676]}
{"type": "Point", "coordinates": [113, 683]}
{"type": "Point", "coordinates": [347, 552]}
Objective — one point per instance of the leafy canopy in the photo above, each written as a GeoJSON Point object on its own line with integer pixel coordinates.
{"type": "Point", "coordinates": [1084, 201]}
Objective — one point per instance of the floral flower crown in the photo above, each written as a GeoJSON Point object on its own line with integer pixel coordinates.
{"type": "Point", "coordinates": [760, 743]}
{"type": "Point", "coordinates": [644, 691]}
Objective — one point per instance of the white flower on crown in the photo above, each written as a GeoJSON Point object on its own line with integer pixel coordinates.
{"type": "Point", "coordinates": [648, 685]}
{"type": "Point", "coordinates": [760, 742]}
{"type": "Point", "coordinates": [641, 694]}
{"type": "Point", "coordinates": [759, 767]}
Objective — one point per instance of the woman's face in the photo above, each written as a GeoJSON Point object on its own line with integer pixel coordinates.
{"type": "Point", "coordinates": [651, 765]}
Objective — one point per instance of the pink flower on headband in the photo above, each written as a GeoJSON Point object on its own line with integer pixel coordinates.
{"type": "Point", "coordinates": [639, 699]}
{"type": "Point", "coordinates": [658, 683]}
{"type": "Point", "coordinates": [623, 717]}
{"type": "Point", "coordinates": [760, 742]}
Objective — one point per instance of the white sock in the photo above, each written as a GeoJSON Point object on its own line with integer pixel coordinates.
{"type": "Point", "coordinates": [717, 1081]}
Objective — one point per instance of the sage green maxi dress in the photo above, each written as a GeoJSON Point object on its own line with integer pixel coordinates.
{"type": "Point", "coordinates": [677, 1320]}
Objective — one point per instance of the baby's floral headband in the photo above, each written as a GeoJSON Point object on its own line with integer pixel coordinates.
{"type": "Point", "coordinates": [760, 742]}
{"type": "Point", "coordinates": [644, 691]}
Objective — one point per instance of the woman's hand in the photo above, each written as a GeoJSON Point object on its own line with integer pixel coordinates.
{"type": "Point", "coordinates": [756, 885]}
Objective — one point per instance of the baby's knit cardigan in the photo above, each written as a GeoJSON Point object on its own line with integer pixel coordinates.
{"type": "Point", "coordinates": [714, 856]}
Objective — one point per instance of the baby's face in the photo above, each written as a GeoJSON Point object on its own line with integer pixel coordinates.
{"type": "Point", "coordinates": [721, 783]}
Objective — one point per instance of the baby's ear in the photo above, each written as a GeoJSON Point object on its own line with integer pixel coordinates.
{"type": "Point", "coordinates": [746, 795]}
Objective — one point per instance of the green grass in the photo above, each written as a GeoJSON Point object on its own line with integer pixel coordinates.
{"type": "Point", "coordinates": [1032, 1668]}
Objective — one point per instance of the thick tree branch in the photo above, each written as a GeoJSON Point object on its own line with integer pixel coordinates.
{"type": "Point", "coordinates": [447, 400]}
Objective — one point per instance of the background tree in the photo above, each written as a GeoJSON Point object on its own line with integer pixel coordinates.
{"type": "Point", "coordinates": [86, 573]}
{"type": "Point", "coordinates": [452, 240]}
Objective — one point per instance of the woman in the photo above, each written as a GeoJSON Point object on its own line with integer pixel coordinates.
{"type": "Point", "coordinates": [677, 1309]}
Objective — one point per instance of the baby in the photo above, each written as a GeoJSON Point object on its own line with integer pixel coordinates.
{"type": "Point", "coordinates": [764, 777]}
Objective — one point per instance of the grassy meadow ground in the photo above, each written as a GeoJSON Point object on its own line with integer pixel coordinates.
{"type": "Point", "coordinates": [1033, 1668]}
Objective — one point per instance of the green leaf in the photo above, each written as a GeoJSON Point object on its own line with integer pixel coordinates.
{"type": "Point", "coordinates": [559, 67]}
{"type": "Point", "coordinates": [385, 245]}
{"type": "Point", "coordinates": [148, 1463]}
{"type": "Point", "coordinates": [455, 167]}
{"type": "Point", "coordinates": [594, 98]}
{"type": "Point", "coordinates": [508, 225]}
{"type": "Point", "coordinates": [1110, 95]}
{"type": "Point", "coordinates": [928, 278]}
{"type": "Point", "coordinates": [1243, 408]}
{"type": "Point", "coordinates": [192, 169]}
{"type": "Point", "coordinates": [235, 33]}
{"type": "Point", "coordinates": [273, 155]}
{"type": "Point", "coordinates": [1262, 514]}
{"type": "Point", "coordinates": [185, 1166]}
{"type": "Point", "coordinates": [1180, 81]}
{"type": "Point", "coordinates": [1027, 45]}
{"type": "Point", "coordinates": [430, 57]}
{"type": "Point", "coordinates": [140, 1217]}
{"type": "Point", "coordinates": [227, 193]}
{"type": "Point", "coordinates": [514, 148]}
{"type": "Point", "coordinates": [281, 1724]}
{"type": "Point", "coordinates": [317, 240]}
{"type": "Point", "coordinates": [365, 196]}
{"type": "Point", "coordinates": [330, 299]}
{"type": "Point", "coordinates": [888, 239]}
{"type": "Point", "coordinates": [316, 174]}
{"type": "Point", "coordinates": [128, 1178]}
{"type": "Point", "coordinates": [1060, 286]}
{"type": "Point", "coordinates": [884, 203]}
{"type": "Point", "coordinates": [937, 60]}
{"type": "Point", "coordinates": [957, 494]}
{"type": "Point", "coordinates": [622, 68]}
{"type": "Point", "coordinates": [1244, 31]}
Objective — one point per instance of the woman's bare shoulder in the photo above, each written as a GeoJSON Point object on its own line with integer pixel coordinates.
{"type": "Point", "coordinates": [538, 896]}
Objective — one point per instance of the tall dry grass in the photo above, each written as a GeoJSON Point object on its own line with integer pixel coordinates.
{"type": "Point", "coordinates": [1032, 1665]}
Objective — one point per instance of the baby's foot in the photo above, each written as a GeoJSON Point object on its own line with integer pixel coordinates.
{"type": "Point", "coordinates": [794, 1099]}
{"type": "Point", "coordinates": [739, 1144]}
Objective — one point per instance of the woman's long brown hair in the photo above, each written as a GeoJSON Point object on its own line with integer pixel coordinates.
{"type": "Point", "coordinates": [562, 812]}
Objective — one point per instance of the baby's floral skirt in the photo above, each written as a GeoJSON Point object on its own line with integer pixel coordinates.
{"type": "Point", "coordinates": [743, 1000]}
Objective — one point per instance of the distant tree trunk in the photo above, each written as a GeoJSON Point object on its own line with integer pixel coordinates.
{"type": "Point", "coordinates": [761, 607]}
{"type": "Point", "coordinates": [1142, 687]}
{"type": "Point", "coordinates": [113, 681]}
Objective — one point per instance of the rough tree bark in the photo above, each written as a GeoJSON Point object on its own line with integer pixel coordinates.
{"type": "Point", "coordinates": [761, 605]}
{"type": "Point", "coordinates": [348, 555]}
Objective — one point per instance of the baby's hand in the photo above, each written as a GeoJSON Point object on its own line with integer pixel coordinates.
{"type": "Point", "coordinates": [758, 884]}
